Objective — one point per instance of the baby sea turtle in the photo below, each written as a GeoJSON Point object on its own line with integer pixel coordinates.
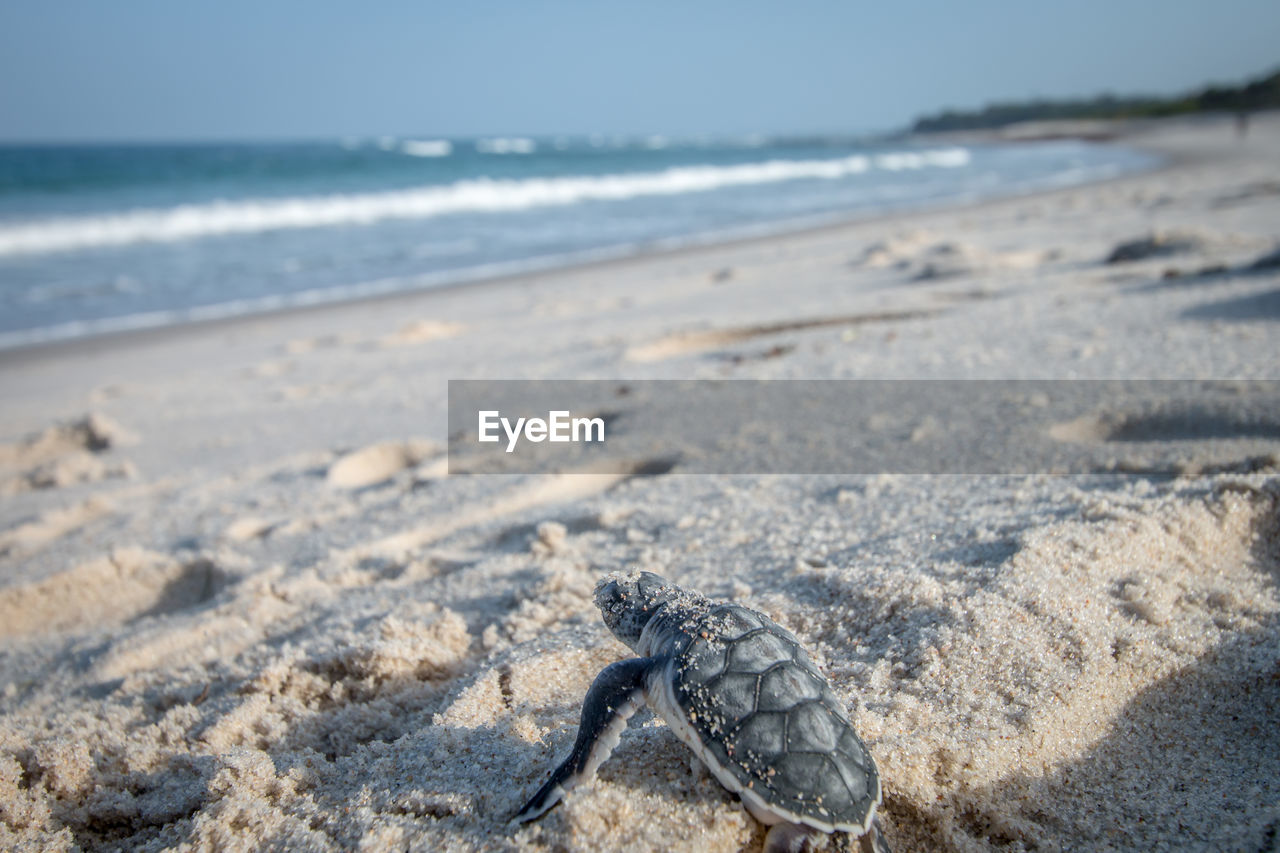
{"type": "Point", "coordinates": [742, 693]}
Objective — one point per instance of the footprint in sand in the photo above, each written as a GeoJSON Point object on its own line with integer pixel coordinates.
{"type": "Point", "coordinates": [1177, 422]}
{"type": "Point", "coordinates": [538, 492]}
{"type": "Point", "coordinates": [65, 454]}
{"type": "Point", "coordinates": [925, 259]}
{"type": "Point", "coordinates": [684, 343]}
{"type": "Point", "coordinates": [1167, 243]}
{"type": "Point", "coordinates": [896, 251]}
{"type": "Point", "coordinates": [302, 346]}
{"type": "Point", "coordinates": [271, 369]}
{"type": "Point", "coordinates": [29, 538]}
{"type": "Point", "coordinates": [1159, 244]}
{"type": "Point", "coordinates": [130, 583]}
{"type": "Point", "coordinates": [1187, 437]}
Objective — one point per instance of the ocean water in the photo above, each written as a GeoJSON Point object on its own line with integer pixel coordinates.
{"type": "Point", "coordinates": [100, 238]}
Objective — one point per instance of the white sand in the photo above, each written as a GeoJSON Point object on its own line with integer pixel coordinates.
{"type": "Point", "coordinates": [242, 606]}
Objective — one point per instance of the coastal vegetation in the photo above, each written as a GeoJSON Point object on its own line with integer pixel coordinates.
{"type": "Point", "coordinates": [1258, 94]}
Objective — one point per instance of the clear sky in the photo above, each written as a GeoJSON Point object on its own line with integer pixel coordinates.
{"type": "Point", "coordinates": [259, 69]}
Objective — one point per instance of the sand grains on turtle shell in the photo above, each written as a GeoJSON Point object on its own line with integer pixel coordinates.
{"type": "Point", "coordinates": [764, 712]}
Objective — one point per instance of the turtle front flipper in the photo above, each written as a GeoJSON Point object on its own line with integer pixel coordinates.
{"type": "Point", "coordinates": [615, 695]}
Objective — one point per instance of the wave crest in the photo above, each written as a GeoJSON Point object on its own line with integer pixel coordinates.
{"type": "Point", "coordinates": [427, 147]}
{"type": "Point", "coordinates": [193, 221]}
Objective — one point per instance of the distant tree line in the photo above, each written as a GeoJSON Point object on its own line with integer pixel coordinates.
{"type": "Point", "coordinates": [1263, 93]}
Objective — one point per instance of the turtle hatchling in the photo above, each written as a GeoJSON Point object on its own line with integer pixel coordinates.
{"type": "Point", "coordinates": [743, 694]}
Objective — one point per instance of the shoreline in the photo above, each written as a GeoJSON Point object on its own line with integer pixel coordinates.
{"type": "Point", "coordinates": [1122, 134]}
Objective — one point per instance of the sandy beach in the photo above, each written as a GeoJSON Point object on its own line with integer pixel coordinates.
{"type": "Point", "coordinates": [244, 606]}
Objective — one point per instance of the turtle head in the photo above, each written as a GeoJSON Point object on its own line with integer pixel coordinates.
{"type": "Point", "coordinates": [627, 601]}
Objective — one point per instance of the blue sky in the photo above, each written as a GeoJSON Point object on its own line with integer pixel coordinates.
{"type": "Point", "coordinates": [160, 69]}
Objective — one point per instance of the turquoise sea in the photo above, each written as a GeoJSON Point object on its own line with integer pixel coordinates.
{"type": "Point", "coordinates": [96, 238]}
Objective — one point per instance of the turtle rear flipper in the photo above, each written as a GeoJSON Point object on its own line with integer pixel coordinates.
{"type": "Point", "coordinates": [872, 841]}
{"type": "Point", "coordinates": [794, 838]}
{"type": "Point", "coordinates": [615, 695]}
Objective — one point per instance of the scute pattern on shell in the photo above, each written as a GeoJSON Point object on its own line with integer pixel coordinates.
{"type": "Point", "coordinates": [767, 714]}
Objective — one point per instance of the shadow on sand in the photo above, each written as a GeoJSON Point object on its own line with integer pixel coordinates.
{"type": "Point", "coordinates": [1259, 306]}
{"type": "Point", "coordinates": [1192, 762]}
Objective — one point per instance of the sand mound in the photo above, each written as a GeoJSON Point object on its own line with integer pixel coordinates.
{"type": "Point", "coordinates": [1129, 656]}
{"type": "Point", "coordinates": [95, 432]}
{"type": "Point", "coordinates": [248, 528]}
{"type": "Point", "coordinates": [420, 332]}
{"type": "Point", "coordinates": [76, 467]}
{"type": "Point", "coordinates": [377, 463]}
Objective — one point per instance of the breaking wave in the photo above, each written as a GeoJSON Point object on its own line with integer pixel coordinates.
{"type": "Point", "coordinates": [480, 195]}
{"type": "Point", "coordinates": [427, 147]}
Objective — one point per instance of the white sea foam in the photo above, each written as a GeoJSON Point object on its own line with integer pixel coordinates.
{"type": "Point", "coordinates": [211, 219]}
{"type": "Point", "coordinates": [513, 145]}
{"type": "Point", "coordinates": [427, 147]}
{"type": "Point", "coordinates": [899, 160]}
